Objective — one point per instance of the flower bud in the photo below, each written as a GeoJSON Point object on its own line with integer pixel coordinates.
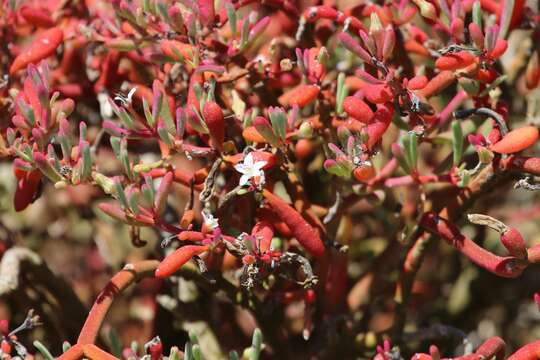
{"type": "Point", "coordinates": [514, 243]}
{"type": "Point", "coordinates": [485, 156]}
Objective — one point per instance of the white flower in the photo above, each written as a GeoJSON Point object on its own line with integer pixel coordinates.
{"type": "Point", "coordinates": [125, 100]}
{"type": "Point", "coordinates": [250, 169]}
{"type": "Point", "coordinates": [209, 220]}
{"type": "Point", "coordinates": [105, 107]}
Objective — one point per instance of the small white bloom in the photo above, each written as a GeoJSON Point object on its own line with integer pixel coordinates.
{"type": "Point", "coordinates": [346, 24]}
{"type": "Point", "coordinates": [209, 220]}
{"type": "Point", "coordinates": [250, 169]}
{"type": "Point", "coordinates": [125, 100]}
{"type": "Point", "coordinates": [105, 107]}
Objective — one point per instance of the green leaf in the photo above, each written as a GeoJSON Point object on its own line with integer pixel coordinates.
{"type": "Point", "coordinates": [146, 167]}
{"type": "Point", "coordinates": [193, 337]}
{"type": "Point", "coordinates": [231, 15]}
{"type": "Point", "coordinates": [477, 14]}
{"type": "Point", "coordinates": [341, 93]}
{"type": "Point", "coordinates": [278, 119]}
{"type": "Point", "coordinates": [51, 154]}
{"type": "Point", "coordinates": [174, 354]}
{"type": "Point", "coordinates": [197, 122]}
{"type": "Point", "coordinates": [148, 114]}
{"type": "Point", "coordinates": [25, 153]}
{"type": "Point", "coordinates": [115, 145]}
{"type": "Point", "coordinates": [410, 145]}
{"type": "Point", "coordinates": [340, 168]}
{"type": "Point", "coordinates": [401, 161]}
{"type": "Point", "coordinates": [465, 177]}
{"type": "Point", "coordinates": [506, 18]}
{"type": "Point", "coordinates": [197, 355]}
{"type": "Point", "coordinates": [244, 34]}
{"type": "Point", "coordinates": [116, 346]}
{"type": "Point", "coordinates": [199, 95]}
{"type": "Point", "coordinates": [121, 153]}
{"type": "Point", "coordinates": [162, 8]}
{"type": "Point", "coordinates": [147, 196]}
{"type": "Point", "coordinates": [150, 182]}
{"type": "Point", "coordinates": [134, 202]}
{"type": "Point", "coordinates": [86, 167]}
{"type": "Point", "coordinates": [123, 115]}
{"type": "Point", "coordinates": [146, 5]}
{"type": "Point", "coordinates": [76, 174]}
{"type": "Point", "coordinates": [268, 133]}
{"type": "Point", "coordinates": [119, 190]}
{"type": "Point", "coordinates": [165, 137]}
{"type": "Point", "coordinates": [28, 112]}
{"type": "Point", "coordinates": [167, 116]}
{"type": "Point", "coordinates": [441, 140]}
{"type": "Point", "coordinates": [211, 89]}
{"type": "Point", "coordinates": [457, 142]}
{"type": "Point", "coordinates": [188, 351]}
{"type": "Point", "coordinates": [83, 131]}
{"type": "Point", "coordinates": [256, 344]}
{"type": "Point", "coordinates": [48, 170]}
{"type": "Point", "coordinates": [157, 101]}
{"type": "Point", "coordinates": [43, 350]}
{"type": "Point", "coordinates": [104, 182]}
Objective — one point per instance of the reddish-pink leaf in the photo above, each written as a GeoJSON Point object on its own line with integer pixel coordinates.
{"type": "Point", "coordinates": [42, 47]}
{"type": "Point", "coordinates": [173, 262]}
{"type": "Point", "coordinates": [516, 140]}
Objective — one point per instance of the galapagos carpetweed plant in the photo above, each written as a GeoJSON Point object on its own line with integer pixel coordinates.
{"type": "Point", "coordinates": [285, 171]}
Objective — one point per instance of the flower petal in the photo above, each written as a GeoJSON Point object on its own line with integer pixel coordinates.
{"type": "Point", "coordinates": [244, 180]}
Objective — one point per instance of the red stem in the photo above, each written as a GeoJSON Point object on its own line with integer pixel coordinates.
{"type": "Point", "coordinates": [93, 352]}
{"type": "Point", "coordinates": [116, 285]}
{"type": "Point", "coordinates": [529, 165]}
{"type": "Point", "coordinates": [456, 101]}
{"type": "Point", "coordinates": [508, 267]}
{"type": "Point", "coordinates": [74, 353]}
{"type": "Point", "coordinates": [494, 346]}
{"type": "Point", "coordinates": [528, 352]}
{"type": "Point", "coordinates": [422, 179]}
{"type": "Point", "coordinates": [533, 254]}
